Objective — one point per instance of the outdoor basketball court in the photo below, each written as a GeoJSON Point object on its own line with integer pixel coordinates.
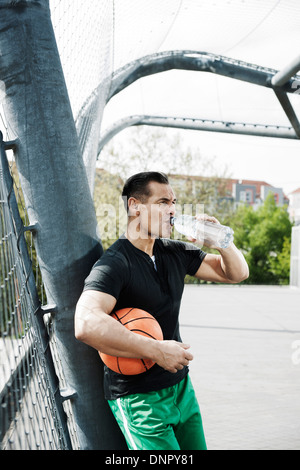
{"type": "Point", "coordinates": [246, 368]}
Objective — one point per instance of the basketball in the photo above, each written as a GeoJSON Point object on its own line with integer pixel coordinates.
{"type": "Point", "coordinates": [141, 323]}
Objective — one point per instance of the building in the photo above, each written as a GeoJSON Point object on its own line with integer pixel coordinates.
{"type": "Point", "coordinates": [294, 206]}
{"type": "Point", "coordinates": [237, 191]}
{"type": "Point", "coordinates": [254, 192]}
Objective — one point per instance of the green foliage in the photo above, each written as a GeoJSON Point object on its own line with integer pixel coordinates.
{"type": "Point", "coordinates": [264, 237]}
{"type": "Point", "coordinates": [110, 212]}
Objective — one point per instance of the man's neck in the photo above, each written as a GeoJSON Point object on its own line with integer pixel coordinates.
{"type": "Point", "coordinates": [144, 244]}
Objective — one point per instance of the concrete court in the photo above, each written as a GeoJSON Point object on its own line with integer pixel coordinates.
{"type": "Point", "coordinates": [246, 368]}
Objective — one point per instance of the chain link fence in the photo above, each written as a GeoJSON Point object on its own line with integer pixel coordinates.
{"type": "Point", "coordinates": [32, 414]}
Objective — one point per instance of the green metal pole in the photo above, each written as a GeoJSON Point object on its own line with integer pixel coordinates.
{"type": "Point", "coordinates": [57, 197]}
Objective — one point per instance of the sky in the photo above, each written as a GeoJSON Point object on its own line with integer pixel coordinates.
{"type": "Point", "coordinates": [275, 161]}
{"type": "Point", "coordinates": [263, 33]}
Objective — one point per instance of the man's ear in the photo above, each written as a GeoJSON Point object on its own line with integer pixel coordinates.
{"type": "Point", "coordinates": [133, 207]}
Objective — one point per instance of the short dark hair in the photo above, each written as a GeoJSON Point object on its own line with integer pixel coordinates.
{"type": "Point", "coordinates": [138, 185]}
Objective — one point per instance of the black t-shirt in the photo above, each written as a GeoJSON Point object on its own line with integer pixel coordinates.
{"type": "Point", "coordinates": [130, 275]}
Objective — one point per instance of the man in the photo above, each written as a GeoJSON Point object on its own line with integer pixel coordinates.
{"type": "Point", "coordinates": [156, 410]}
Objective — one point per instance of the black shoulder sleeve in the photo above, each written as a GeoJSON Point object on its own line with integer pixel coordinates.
{"type": "Point", "coordinates": [191, 256]}
{"type": "Point", "coordinates": [194, 258]}
{"type": "Point", "coordinates": [109, 275]}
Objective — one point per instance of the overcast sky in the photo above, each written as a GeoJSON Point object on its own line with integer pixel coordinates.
{"type": "Point", "coordinates": [262, 33]}
{"type": "Point", "coordinates": [95, 40]}
{"type": "Point", "coordinates": [276, 161]}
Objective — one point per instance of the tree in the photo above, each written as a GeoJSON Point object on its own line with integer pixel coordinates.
{"type": "Point", "coordinates": [110, 212]}
{"type": "Point", "coordinates": [264, 236]}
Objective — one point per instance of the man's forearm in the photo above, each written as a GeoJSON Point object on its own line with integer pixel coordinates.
{"type": "Point", "coordinates": [104, 333]}
{"type": "Point", "coordinates": [93, 326]}
{"type": "Point", "coordinates": [234, 264]}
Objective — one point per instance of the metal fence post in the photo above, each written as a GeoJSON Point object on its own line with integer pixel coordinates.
{"type": "Point", "coordinates": [57, 197]}
{"type": "Point", "coordinates": [295, 257]}
{"type": "Point", "coordinates": [38, 311]}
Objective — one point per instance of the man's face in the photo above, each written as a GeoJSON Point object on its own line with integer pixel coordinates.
{"type": "Point", "coordinates": [156, 212]}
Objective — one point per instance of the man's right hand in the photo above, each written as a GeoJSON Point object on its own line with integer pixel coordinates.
{"type": "Point", "coordinates": [172, 355]}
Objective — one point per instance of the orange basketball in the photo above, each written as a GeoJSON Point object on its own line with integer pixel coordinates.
{"type": "Point", "coordinates": [141, 323]}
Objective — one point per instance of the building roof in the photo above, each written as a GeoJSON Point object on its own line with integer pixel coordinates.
{"type": "Point", "coordinates": [230, 182]}
{"type": "Point", "coordinates": [257, 184]}
{"type": "Point", "coordinates": [296, 191]}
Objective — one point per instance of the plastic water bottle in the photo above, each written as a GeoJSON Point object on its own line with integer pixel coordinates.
{"type": "Point", "coordinates": [209, 233]}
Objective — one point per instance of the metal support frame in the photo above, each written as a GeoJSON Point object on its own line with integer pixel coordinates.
{"type": "Point", "coordinates": [258, 130]}
{"type": "Point", "coordinates": [289, 110]}
{"type": "Point", "coordinates": [198, 62]}
{"type": "Point", "coordinates": [180, 60]}
{"type": "Point", "coordinates": [284, 76]}
{"type": "Point", "coordinates": [281, 82]}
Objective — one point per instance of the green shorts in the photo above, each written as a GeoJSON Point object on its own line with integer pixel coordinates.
{"type": "Point", "coordinates": [167, 419]}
